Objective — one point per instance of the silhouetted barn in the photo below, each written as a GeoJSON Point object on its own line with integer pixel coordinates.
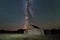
{"type": "Point", "coordinates": [34, 30]}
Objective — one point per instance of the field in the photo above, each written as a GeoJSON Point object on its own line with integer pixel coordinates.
{"type": "Point", "coordinates": [27, 37]}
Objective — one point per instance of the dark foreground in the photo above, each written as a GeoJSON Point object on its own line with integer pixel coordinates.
{"type": "Point", "coordinates": [28, 37]}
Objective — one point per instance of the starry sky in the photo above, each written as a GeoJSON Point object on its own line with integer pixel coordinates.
{"type": "Point", "coordinates": [46, 13]}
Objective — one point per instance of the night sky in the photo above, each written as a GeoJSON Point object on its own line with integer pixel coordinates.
{"type": "Point", "coordinates": [46, 13]}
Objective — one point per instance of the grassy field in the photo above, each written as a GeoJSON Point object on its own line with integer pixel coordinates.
{"type": "Point", "coordinates": [27, 37]}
